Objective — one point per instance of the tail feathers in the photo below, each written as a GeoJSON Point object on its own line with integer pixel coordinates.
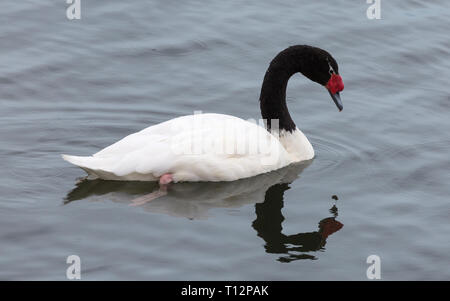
{"type": "Point", "coordinates": [75, 160]}
{"type": "Point", "coordinates": [93, 166]}
{"type": "Point", "coordinates": [100, 167]}
{"type": "Point", "coordinates": [79, 161]}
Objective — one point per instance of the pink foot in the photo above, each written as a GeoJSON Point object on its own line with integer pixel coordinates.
{"type": "Point", "coordinates": [165, 179]}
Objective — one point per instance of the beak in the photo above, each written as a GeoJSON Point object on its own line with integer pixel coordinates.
{"type": "Point", "coordinates": [337, 100]}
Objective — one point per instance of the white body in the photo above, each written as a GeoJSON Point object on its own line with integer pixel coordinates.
{"type": "Point", "coordinates": [201, 147]}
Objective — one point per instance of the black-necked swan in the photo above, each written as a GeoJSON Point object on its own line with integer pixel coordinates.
{"type": "Point", "coordinates": [218, 147]}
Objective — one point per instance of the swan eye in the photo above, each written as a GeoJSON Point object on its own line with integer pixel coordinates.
{"type": "Point", "coordinates": [330, 69]}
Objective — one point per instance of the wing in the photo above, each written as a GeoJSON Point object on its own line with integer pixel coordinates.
{"type": "Point", "coordinates": [201, 147]}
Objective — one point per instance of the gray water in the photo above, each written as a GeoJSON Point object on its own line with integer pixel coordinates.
{"type": "Point", "coordinates": [77, 86]}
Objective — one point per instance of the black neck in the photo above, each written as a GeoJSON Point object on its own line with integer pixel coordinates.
{"type": "Point", "coordinates": [273, 91]}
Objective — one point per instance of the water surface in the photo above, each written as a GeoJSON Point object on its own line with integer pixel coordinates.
{"type": "Point", "coordinates": [77, 86]}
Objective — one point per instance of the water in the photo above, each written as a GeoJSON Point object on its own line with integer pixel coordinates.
{"type": "Point", "coordinates": [77, 86]}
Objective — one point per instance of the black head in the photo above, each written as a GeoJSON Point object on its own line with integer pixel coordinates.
{"type": "Point", "coordinates": [314, 63]}
{"type": "Point", "coordinates": [319, 66]}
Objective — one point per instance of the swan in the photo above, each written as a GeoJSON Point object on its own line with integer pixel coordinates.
{"type": "Point", "coordinates": [219, 147]}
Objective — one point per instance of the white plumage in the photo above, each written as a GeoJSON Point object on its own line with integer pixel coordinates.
{"type": "Point", "coordinates": [200, 147]}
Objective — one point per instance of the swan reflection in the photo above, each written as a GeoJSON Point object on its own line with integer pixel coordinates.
{"type": "Point", "coordinates": [194, 201]}
{"type": "Point", "coordinates": [268, 225]}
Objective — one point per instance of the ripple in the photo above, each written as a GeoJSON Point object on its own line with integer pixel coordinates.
{"type": "Point", "coordinates": [330, 155]}
{"type": "Point", "coordinates": [172, 50]}
{"type": "Point", "coordinates": [183, 49]}
{"type": "Point", "coordinates": [413, 167]}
